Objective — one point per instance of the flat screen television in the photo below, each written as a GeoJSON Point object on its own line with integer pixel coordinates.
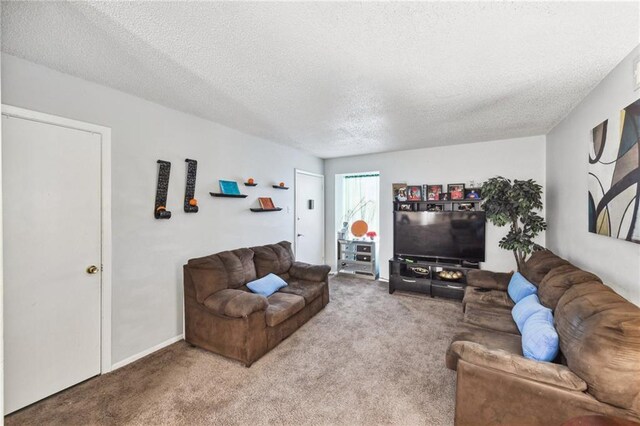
{"type": "Point", "coordinates": [444, 235]}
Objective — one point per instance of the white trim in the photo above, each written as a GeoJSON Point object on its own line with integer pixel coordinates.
{"type": "Point", "coordinates": [295, 211]}
{"type": "Point", "coordinates": [105, 142]}
{"type": "Point", "coordinates": [146, 352]}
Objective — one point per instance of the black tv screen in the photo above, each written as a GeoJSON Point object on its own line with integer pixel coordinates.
{"type": "Point", "coordinates": [447, 235]}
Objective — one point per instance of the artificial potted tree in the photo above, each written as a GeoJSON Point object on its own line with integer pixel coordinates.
{"type": "Point", "coordinates": [515, 204]}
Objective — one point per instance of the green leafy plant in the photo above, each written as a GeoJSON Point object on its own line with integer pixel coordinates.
{"type": "Point", "coordinates": [515, 204]}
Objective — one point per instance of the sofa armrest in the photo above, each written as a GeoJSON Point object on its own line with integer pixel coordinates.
{"type": "Point", "coordinates": [488, 279]}
{"type": "Point", "coordinates": [543, 372]}
{"type": "Point", "coordinates": [307, 272]}
{"type": "Point", "coordinates": [235, 303]}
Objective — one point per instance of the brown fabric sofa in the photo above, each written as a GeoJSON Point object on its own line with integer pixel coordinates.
{"type": "Point", "coordinates": [223, 316]}
{"type": "Point", "coordinates": [597, 371]}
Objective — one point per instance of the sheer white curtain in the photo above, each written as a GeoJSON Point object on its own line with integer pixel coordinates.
{"type": "Point", "coordinates": [361, 194]}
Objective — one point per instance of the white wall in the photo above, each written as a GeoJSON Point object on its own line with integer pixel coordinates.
{"type": "Point", "coordinates": [148, 254]}
{"type": "Point", "coordinates": [522, 158]}
{"type": "Point", "coordinates": [616, 261]}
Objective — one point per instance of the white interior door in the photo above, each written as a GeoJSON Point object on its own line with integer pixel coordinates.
{"type": "Point", "coordinates": [52, 234]}
{"type": "Point", "coordinates": [309, 217]}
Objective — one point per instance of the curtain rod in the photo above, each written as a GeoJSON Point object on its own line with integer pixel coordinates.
{"type": "Point", "coordinates": [361, 176]}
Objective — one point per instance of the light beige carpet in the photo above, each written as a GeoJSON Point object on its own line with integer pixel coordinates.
{"type": "Point", "coordinates": [367, 358]}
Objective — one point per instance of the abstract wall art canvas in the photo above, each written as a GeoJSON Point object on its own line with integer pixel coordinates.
{"type": "Point", "coordinates": [614, 177]}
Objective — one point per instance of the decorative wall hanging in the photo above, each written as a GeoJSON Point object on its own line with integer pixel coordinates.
{"type": "Point", "coordinates": [160, 211]}
{"type": "Point", "coordinates": [190, 203]}
{"type": "Point", "coordinates": [614, 177]}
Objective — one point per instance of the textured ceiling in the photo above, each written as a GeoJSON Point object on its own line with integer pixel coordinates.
{"type": "Point", "coordinates": [339, 79]}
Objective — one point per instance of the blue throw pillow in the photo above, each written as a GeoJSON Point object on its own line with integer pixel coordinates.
{"type": "Point", "coordinates": [539, 337]}
{"type": "Point", "coordinates": [267, 285]}
{"type": "Point", "coordinates": [524, 309]}
{"type": "Point", "coordinates": [520, 288]}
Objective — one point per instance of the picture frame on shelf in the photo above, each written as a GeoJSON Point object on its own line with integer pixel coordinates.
{"type": "Point", "coordinates": [399, 192]}
{"type": "Point", "coordinates": [472, 194]}
{"type": "Point", "coordinates": [445, 196]}
{"type": "Point", "coordinates": [414, 193]}
{"type": "Point", "coordinates": [266, 203]}
{"type": "Point", "coordinates": [456, 191]}
{"type": "Point", "coordinates": [403, 207]}
{"type": "Point", "coordinates": [435, 207]}
{"type": "Point", "coordinates": [434, 192]}
{"type": "Point", "coordinates": [229, 187]}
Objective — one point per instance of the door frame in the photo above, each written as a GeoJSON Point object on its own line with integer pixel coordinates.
{"type": "Point", "coordinates": [295, 210]}
{"type": "Point", "coordinates": [106, 243]}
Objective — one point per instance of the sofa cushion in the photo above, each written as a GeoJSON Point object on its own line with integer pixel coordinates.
{"type": "Point", "coordinates": [545, 372]}
{"type": "Point", "coordinates": [495, 298]}
{"type": "Point", "coordinates": [524, 309]}
{"type": "Point", "coordinates": [539, 336]}
{"type": "Point", "coordinates": [273, 258]}
{"type": "Point", "coordinates": [558, 280]}
{"type": "Point", "coordinates": [282, 306]}
{"type": "Point", "coordinates": [520, 287]}
{"type": "Point", "coordinates": [235, 303]}
{"type": "Point", "coordinates": [600, 338]}
{"type": "Point", "coordinates": [539, 264]}
{"type": "Point", "coordinates": [309, 290]}
{"type": "Point", "coordinates": [304, 271]}
{"type": "Point", "coordinates": [228, 269]}
{"type": "Point", "coordinates": [490, 317]}
{"type": "Point", "coordinates": [490, 338]}
{"type": "Point", "coordinates": [489, 279]}
{"type": "Point", "coordinates": [266, 285]}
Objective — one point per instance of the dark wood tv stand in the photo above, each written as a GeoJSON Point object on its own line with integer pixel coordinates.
{"type": "Point", "coordinates": [422, 275]}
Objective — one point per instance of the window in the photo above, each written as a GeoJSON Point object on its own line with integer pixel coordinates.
{"type": "Point", "coordinates": [360, 195]}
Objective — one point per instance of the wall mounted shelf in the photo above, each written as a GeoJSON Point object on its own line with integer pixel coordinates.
{"type": "Point", "coordinates": [277, 209]}
{"type": "Point", "coordinates": [250, 184]}
{"type": "Point", "coordinates": [219, 194]}
{"type": "Point", "coordinates": [280, 187]}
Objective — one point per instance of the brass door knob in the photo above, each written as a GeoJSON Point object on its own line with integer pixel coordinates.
{"type": "Point", "coordinates": [93, 269]}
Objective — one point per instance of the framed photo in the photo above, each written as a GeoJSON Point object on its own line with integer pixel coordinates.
{"type": "Point", "coordinates": [466, 207]}
{"type": "Point", "coordinates": [229, 187]}
{"type": "Point", "coordinates": [266, 203]}
{"type": "Point", "coordinates": [456, 191]}
{"type": "Point", "coordinates": [472, 194]}
{"type": "Point", "coordinates": [414, 193]}
{"type": "Point", "coordinates": [399, 192]}
{"type": "Point", "coordinates": [445, 196]}
{"type": "Point", "coordinates": [433, 192]}
{"type": "Point", "coordinates": [435, 207]}
{"type": "Point", "coordinates": [404, 207]}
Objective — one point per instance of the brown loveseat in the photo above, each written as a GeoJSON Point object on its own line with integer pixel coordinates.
{"type": "Point", "coordinates": [597, 371]}
{"type": "Point", "coordinates": [223, 316]}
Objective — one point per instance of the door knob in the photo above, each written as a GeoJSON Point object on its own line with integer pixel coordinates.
{"type": "Point", "coordinates": [93, 269]}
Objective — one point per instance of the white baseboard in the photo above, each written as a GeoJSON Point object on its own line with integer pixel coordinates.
{"type": "Point", "coordinates": [146, 352]}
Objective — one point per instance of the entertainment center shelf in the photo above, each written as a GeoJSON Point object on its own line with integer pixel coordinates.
{"type": "Point", "coordinates": [426, 276]}
{"type": "Point", "coordinates": [438, 205]}
{"type": "Point", "coordinates": [436, 242]}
